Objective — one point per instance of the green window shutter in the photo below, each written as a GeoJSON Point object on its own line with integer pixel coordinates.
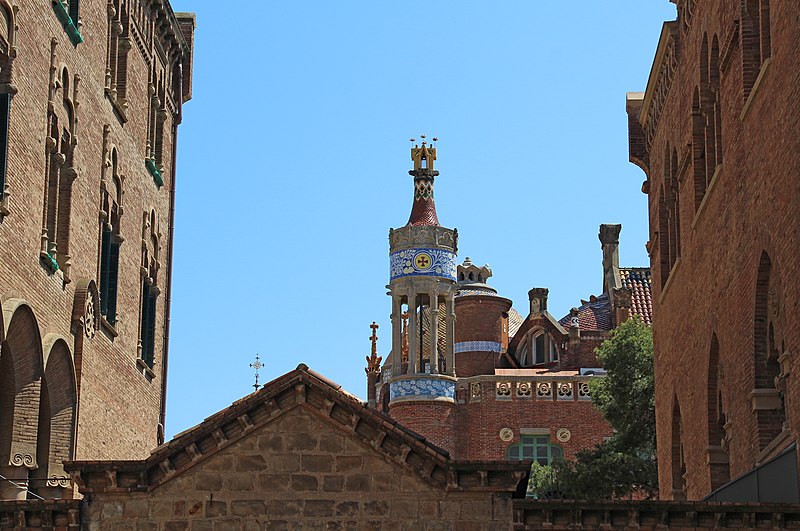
{"type": "Point", "coordinates": [105, 258]}
{"type": "Point", "coordinates": [5, 111]}
{"type": "Point", "coordinates": [113, 275]}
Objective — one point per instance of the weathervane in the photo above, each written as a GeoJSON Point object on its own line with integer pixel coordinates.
{"type": "Point", "coordinates": [256, 365]}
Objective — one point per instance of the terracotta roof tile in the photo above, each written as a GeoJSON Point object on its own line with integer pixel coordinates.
{"type": "Point", "coordinates": [593, 315]}
{"type": "Point", "coordinates": [637, 280]}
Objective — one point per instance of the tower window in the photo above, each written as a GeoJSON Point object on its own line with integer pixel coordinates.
{"type": "Point", "coordinates": [535, 447]}
{"type": "Point", "coordinates": [5, 111]}
{"type": "Point", "coordinates": [110, 242]}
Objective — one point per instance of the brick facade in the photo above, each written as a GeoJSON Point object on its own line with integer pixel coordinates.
{"type": "Point", "coordinates": [79, 136]}
{"type": "Point", "coordinates": [716, 134]}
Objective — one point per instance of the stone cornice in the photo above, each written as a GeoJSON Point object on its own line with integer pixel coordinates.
{"type": "Point", "coordinates": [660, 81]}
{"type": "Point", "coordinates": [301, 388]}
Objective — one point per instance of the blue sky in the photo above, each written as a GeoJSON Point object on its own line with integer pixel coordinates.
{"type": "Point", "coordinates": [294, 153]}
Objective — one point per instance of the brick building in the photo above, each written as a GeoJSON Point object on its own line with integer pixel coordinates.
{"type": "Point", "coordinates": [716, 134]}
{"type": "Point", "coordinates": [504, 386]}
{"type": "Point", "coordinates": [90, 101]}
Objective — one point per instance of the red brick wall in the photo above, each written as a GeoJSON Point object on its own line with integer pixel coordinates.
{"type": "Point", "coordinates": [479, 319]}
{"type": "Point", "coordinates": [434, 420]}
{"type": "Point", "coordinates": [119, 407]}
{"type": "Point", "coordinates": [750, 208]}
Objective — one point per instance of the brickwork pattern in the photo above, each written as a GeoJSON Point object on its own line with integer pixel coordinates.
{"type": "Point", "coordinates": [119, 406]}
{"type": "Point", "coordinates": [749, 207]}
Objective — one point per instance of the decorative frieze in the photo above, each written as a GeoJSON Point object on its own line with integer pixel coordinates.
{"type": "Point", "coordinates": [544, 390]}
{"type": "Point", "coordinates": [524, 390]}
{"type": "Point", "coordinates": [564, 391]}
{"type": "Point", "coordinates": [477, 346]}
{"type": "Point", "coordinates": [410, 237]}
{"type": "Point", "coordinates": [423, 388]}
{"type": "Point", "coordinates": [503, 390]}
{"type": "Point", "coordinates": [661, 77]}
{"type": "Point", "coordinates": [422, 262]}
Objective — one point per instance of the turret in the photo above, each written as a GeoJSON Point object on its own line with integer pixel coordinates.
{"type": "Point", "coordinates": [422, 284]}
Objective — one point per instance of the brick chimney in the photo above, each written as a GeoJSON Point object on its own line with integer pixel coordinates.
{"type": "Point", "coordinates": [609, 242]}
{"type": "Point", "coordinates": [538, 300]}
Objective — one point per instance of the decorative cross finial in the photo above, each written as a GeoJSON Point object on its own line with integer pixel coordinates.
{"type": "Point", "coordinates": [374, 361]}
{"type": "Point", "coordinates": [256, 365]}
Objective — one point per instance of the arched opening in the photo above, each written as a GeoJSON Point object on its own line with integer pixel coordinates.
{"type": "Point", "coordinates": [677, 458]}
{"type": "Point", "coordinates": [767, 400]}
{"type": "Point", "coordinates": [719, 468]}
{"type": "Point", "coordinates": [20, 378]}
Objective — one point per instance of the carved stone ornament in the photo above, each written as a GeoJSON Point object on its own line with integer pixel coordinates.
{"type": "Point", "coordinates": [475, 390]}
{"type": "Point", "coordinates": [26, 460]}
{"type": "Point", "coordinates": [563, 435]}
{"type": "Point", "coordinates": [506, 434]}
{"type": "Point", "coordinates": [84, 308]}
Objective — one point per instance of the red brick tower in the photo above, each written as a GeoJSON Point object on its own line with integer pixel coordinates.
{"type": "Point", "coordinates": [482, 325]}
{"type": "Point", "coordinates": [422, 284]}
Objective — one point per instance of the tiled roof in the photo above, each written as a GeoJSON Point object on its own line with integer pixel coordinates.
{"type": "Point", "coordinates": [423, 213]}
{"type": "Point", "coordinates": [592, 315]}
{"type": "Point", "coordinates": [637, 280]}
{"type": "Point", "coordinates": [596, 314]}
{"type": "Point", "coordinates": [515, 320]}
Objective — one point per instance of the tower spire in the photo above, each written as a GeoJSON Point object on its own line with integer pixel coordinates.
{"type": "Point", "coordinates": [373, 368]}
{"type": "Point", "coordinates": [423, 211]}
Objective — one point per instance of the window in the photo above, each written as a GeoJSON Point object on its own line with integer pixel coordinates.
{"type": "Point", "coordinates": [150, 291]}
{"type": "Point", "coordinates": [119, 43]}
{"type": "Point", "coordinates": [68, 13]}
{"type": "Point", "coordinates": [60, 174]}
{"type": "Point", "coordinates": [5, 112]}
{"type": "Point", "coordinates": [537, 348]}
{"type": "Point", "coordinates": [535, 447]}
{"type": "Point", "coordinates": [155, 126]}
{"type": "Point", "coordinates": [669, 214]}
{"type": "Point", "coordinates": [706, 120]}
{"type": "Point", "coordinates": [110, 241]}
{"type": "Point", "coordinates": [755, 41]}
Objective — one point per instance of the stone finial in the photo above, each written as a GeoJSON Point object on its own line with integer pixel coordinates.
{"type": "Point", "coordinates": [469, 272]}
{"type": "Point", "coordinates": [574, 326]}
{"type": "Point", "coordinates": [373, 360]}
{"type": "Point", "coordinates": [424, 156]}
{"type": "Point", "coordinates": [609, 233]}
{"type": "Point", "coordinates": [538, 300]}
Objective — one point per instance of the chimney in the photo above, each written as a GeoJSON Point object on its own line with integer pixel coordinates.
{"type": "Point", "coordinates": [574, 326]}
{"type": "Point", "coordinates": [609, 242]}
{"type": "Point", "coordinates": [538, 299]}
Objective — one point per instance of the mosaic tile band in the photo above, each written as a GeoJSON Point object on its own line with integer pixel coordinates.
{"type": "Point", "coordinates": [422, 262]}
{"type": "Point", "coordinates": [422, 388]}
{"type": "Point", "coordinates": [477, 346]}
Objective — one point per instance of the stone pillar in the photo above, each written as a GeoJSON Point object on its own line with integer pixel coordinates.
{"type": "Point", "coordinates": [450, 316]}
{"type": "Point", "coordinates": [397, 334]}
{"type": "Point", "coordinates": [434, 332]}
{"type": "Point", "coordinates": [413, 334]}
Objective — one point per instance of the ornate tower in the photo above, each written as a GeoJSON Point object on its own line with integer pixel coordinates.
{"type": "Point", "coordinates": [422, 283]}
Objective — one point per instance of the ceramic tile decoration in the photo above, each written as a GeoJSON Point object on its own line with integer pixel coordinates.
{"type": "Point", "coordinates": [422, 262]}
{"type": "Point", "coordinates": [423, 387]}
{"type": "Point", "coordinates": [477, 346]}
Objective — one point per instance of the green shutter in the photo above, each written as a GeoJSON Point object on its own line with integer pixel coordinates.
{"type": "Point", "coordinates": [113, 275]}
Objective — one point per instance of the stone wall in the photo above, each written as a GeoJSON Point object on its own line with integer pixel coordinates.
{"type": "Point", "coordinates": [298, 470]}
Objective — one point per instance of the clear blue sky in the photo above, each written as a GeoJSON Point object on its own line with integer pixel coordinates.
{"type": "Point", "coordinates": [293, 160]}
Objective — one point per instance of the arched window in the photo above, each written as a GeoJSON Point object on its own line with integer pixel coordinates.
{"type": "Point", "coordinates": [150, 291]}
{"type": "Point", "coordinates": [719, 468]}
{"type": "Point", "coordinates": [110, 240]}
{"type": "Point", "coordinates": [119, 43]}
{"type": "Point", "coordinates": [537, 348]}
{"type": "Point", "coordinates": [755, 41]}
{"type": "Point", "coordinates": [767, 399]}
{"type": "Point", "coordinates": [535, 447]}
{"type": "Point", "coordinates": [678, 460]}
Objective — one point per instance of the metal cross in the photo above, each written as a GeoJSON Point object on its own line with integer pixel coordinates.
{"type": "Point", "coordinates": [256, 365]}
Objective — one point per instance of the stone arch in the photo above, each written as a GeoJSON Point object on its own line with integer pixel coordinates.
{"type": "Point", "coordinates": [57, 408]}
{"type": "Point", "coordinates": [676, 454]}
{"type": "Point", "coordinates": [21, 370]}
{"type": "Point", "coordinates": [719, 468]}
{"type": "Point", "coordinates": [767, 400]}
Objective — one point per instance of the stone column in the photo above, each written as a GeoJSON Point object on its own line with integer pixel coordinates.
{"type": "Point", "coordinates": [413, 333]}
{"type": "Point", "coordinates": [434, 332]}
{"type": "Point", "coordinates": [15, 487]}
{"type": "Point", "coordinates": [450, 317]}
{"type": "Point", "coordinates": [397, 339]}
